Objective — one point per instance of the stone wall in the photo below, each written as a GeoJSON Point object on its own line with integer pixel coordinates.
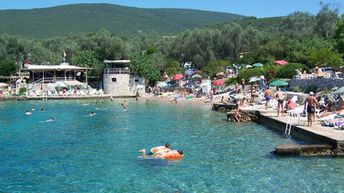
{"type": "Point", "coordinates": [321, 83]}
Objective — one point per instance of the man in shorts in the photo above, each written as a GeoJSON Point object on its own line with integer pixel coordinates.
{"type": "Point", "coordinates": [267, 95]}
{"type": "Point", "coordinates": [280, 99]}
{"type": "Point", "coordinates": [311, 103]}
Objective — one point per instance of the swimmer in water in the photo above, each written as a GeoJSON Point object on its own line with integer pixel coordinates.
{"type": "Point", "coordinates": [92, 114]}
{"type": "Point", "coordinates": [52, 119]}
{"type": "Point", "coordinates": [41, 110]}
{"type": "Point", "coordinates": [156, 150]}
{"type": "Point", "coordinates": [124, 105]}
{"type": "Point", "coordinates": [33, 108]}
{"type": "Point", "coordinates": [28, 113]}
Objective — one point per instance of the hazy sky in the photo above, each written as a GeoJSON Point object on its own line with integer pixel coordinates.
{"type": "Point", "coordinates": [258, 8]}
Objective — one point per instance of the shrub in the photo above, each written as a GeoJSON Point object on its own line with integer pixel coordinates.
{"type": "Point", "coordinates": [289, 71]}
{"type": "Point", "coordinates": [248, 73]}
{"type": "Point", "coordinates": [311, 88]}
{"type": "Point", "coordinates": [230, 81]}
{"type": "Point", "coordinates": [22, 91]}
{"type": "Point", "coordinates": [297, 89]}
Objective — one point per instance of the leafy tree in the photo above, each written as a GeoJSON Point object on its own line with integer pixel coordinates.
{"type": "Point", "coordinates": [173, 67]}
{"type": "Point", "coordinates": [326, 20]}
{"type": "Point", "coordinates": [298, 25]}
{"type": "Point", "coordinates": [246, 74]}
{"type": "Point", "coordinates": [87, 58]}
{"type": "Point", "coordinates": [289, 71]}
{"type": "Point", "coordinates": [142, 65]}
{"type": "Point", "coordinates": [325, 57]}
{"type": "Point", "coordinates": [339, 35]}
{"type": "Point", "coordinates": [7, 67]}
{"type": "Point", "coordinates": [214, 67]}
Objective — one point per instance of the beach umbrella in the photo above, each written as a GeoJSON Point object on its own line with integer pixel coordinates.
{"type": "Point", "coordinates": [254, 79]}
{"type": "Point", "coordinates": [218, 82]}
{"type": "Point", "coordinates": [281, 62]}
{"type": "Point", "coordinates": [339, 91]}
{"type": "Point", "coordinates": [196, 76]}
{"type": "Point", "coordinates": [60, 84]}
{"type": "Point", "coordinates": [177, 77]}
{"type": "Point", "coordinates": [278, 83]}
{"type": "Point", "coordinates": [257, 65]}
{"type": "Point", "coordinates": [3, 84]}
{"type": "Point", "coordinates": [162, 84]}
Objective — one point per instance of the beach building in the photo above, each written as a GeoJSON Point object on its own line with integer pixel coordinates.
{"type": "Point", "coordinates": [50, 79]}
{"type": "Point", "coordinates": [118, 81]}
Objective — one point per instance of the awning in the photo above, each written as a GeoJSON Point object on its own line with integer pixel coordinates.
{"type": "Point", "coordinates": [62, 66]}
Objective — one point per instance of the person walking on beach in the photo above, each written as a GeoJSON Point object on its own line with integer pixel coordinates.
{"type": "Point", "coordinates": [253, 93]}
{"type": "Point", "coordinates": [243, 85]}
{"type": "Point", "coordinates": [267, 96]}
{"type": "Point", "coordinates": [280, 99]}
{"type": "Point", "coordinates": [137, 95]}
{"type": "Point", "coordinates": [311, 103]}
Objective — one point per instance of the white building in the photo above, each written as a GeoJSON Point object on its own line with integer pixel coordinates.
{"type": "Point", "coordinates": [118, 81]}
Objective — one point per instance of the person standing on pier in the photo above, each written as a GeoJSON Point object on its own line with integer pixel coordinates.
{"type": "Point", "coordinates": [280, 99]}
{"type": "Point", "coordinates": [311, 103]}
{"type": "Point", "coordinates": [267, 96]}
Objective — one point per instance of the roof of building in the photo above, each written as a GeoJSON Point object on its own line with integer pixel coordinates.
{"type": "Point", "coordinates": [117, 61]}
{"type": "Point", "coordinates": [62, 66]}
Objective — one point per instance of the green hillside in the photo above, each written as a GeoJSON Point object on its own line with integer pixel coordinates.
{"type": "Point", "coordinates": [120, 20]}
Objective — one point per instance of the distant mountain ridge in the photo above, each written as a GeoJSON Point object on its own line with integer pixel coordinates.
{"type": "Point", "coordinates": [121, 20]}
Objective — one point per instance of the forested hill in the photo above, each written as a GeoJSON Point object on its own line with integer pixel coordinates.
{"type": "Point", "coordinates": [120, 20]}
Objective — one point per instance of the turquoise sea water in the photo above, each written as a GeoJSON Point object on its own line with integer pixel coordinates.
{"type": "Point", "coordinates": [79, 153]}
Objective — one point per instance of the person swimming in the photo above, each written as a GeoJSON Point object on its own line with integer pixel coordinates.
{"type": "Point", "coordinates": [92, 114]}
{"type": "Point", "coordinates": [52, 119]}
{"type": "Point", "coordinates": [41, 110]}
{"type": "Point", "coordinates": [28, 113]}
{"type": "Point", "coordinates": [32, 108]}
{"type": "Point", "coordinates": [156, 150]}
{"type": "Point", "coordinates": [162, 152]}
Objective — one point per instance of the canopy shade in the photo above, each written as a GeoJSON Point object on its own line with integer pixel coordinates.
{"type": "Point", "coordinates": [218, 82]}
{"type": "Point", "coordinates": [254, 79]}
{"type": "Point", "coordinates": [339, 91]}
{"type": "Point", "coordinates": [278, 83]}
{"type": "Point", "coordinates": [162, 84]}
{"type": "Point", "coordinates": [196, 76]}
{"type": "Point", "coordinates": [60, 84]}
{"type": "Point", "coordinates": [177, 77]}
{"type": "Point", "coordinates": [62, 66]}
{"type": "Point", "coordinates": [3, 84]}
{"type": "Point", "coordinates": [281, 62]}
{"type": "Point", "coordinates": [257, 65]}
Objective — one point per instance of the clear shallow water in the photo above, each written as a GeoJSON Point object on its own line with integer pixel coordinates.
{"type": "Point", "coordinates": [79, 153]}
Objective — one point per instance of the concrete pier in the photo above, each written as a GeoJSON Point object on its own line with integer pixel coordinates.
{"type": "Point", "coordinates": [322, 140]}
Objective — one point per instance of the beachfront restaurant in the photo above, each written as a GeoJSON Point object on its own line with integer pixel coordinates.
{"type": "Point", "coordinates": [43, 76]}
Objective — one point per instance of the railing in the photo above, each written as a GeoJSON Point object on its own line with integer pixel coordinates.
{"type": "Point", "coordinates": [38, 83]}
{"type": "Point", "coordinates": [116, 71]}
